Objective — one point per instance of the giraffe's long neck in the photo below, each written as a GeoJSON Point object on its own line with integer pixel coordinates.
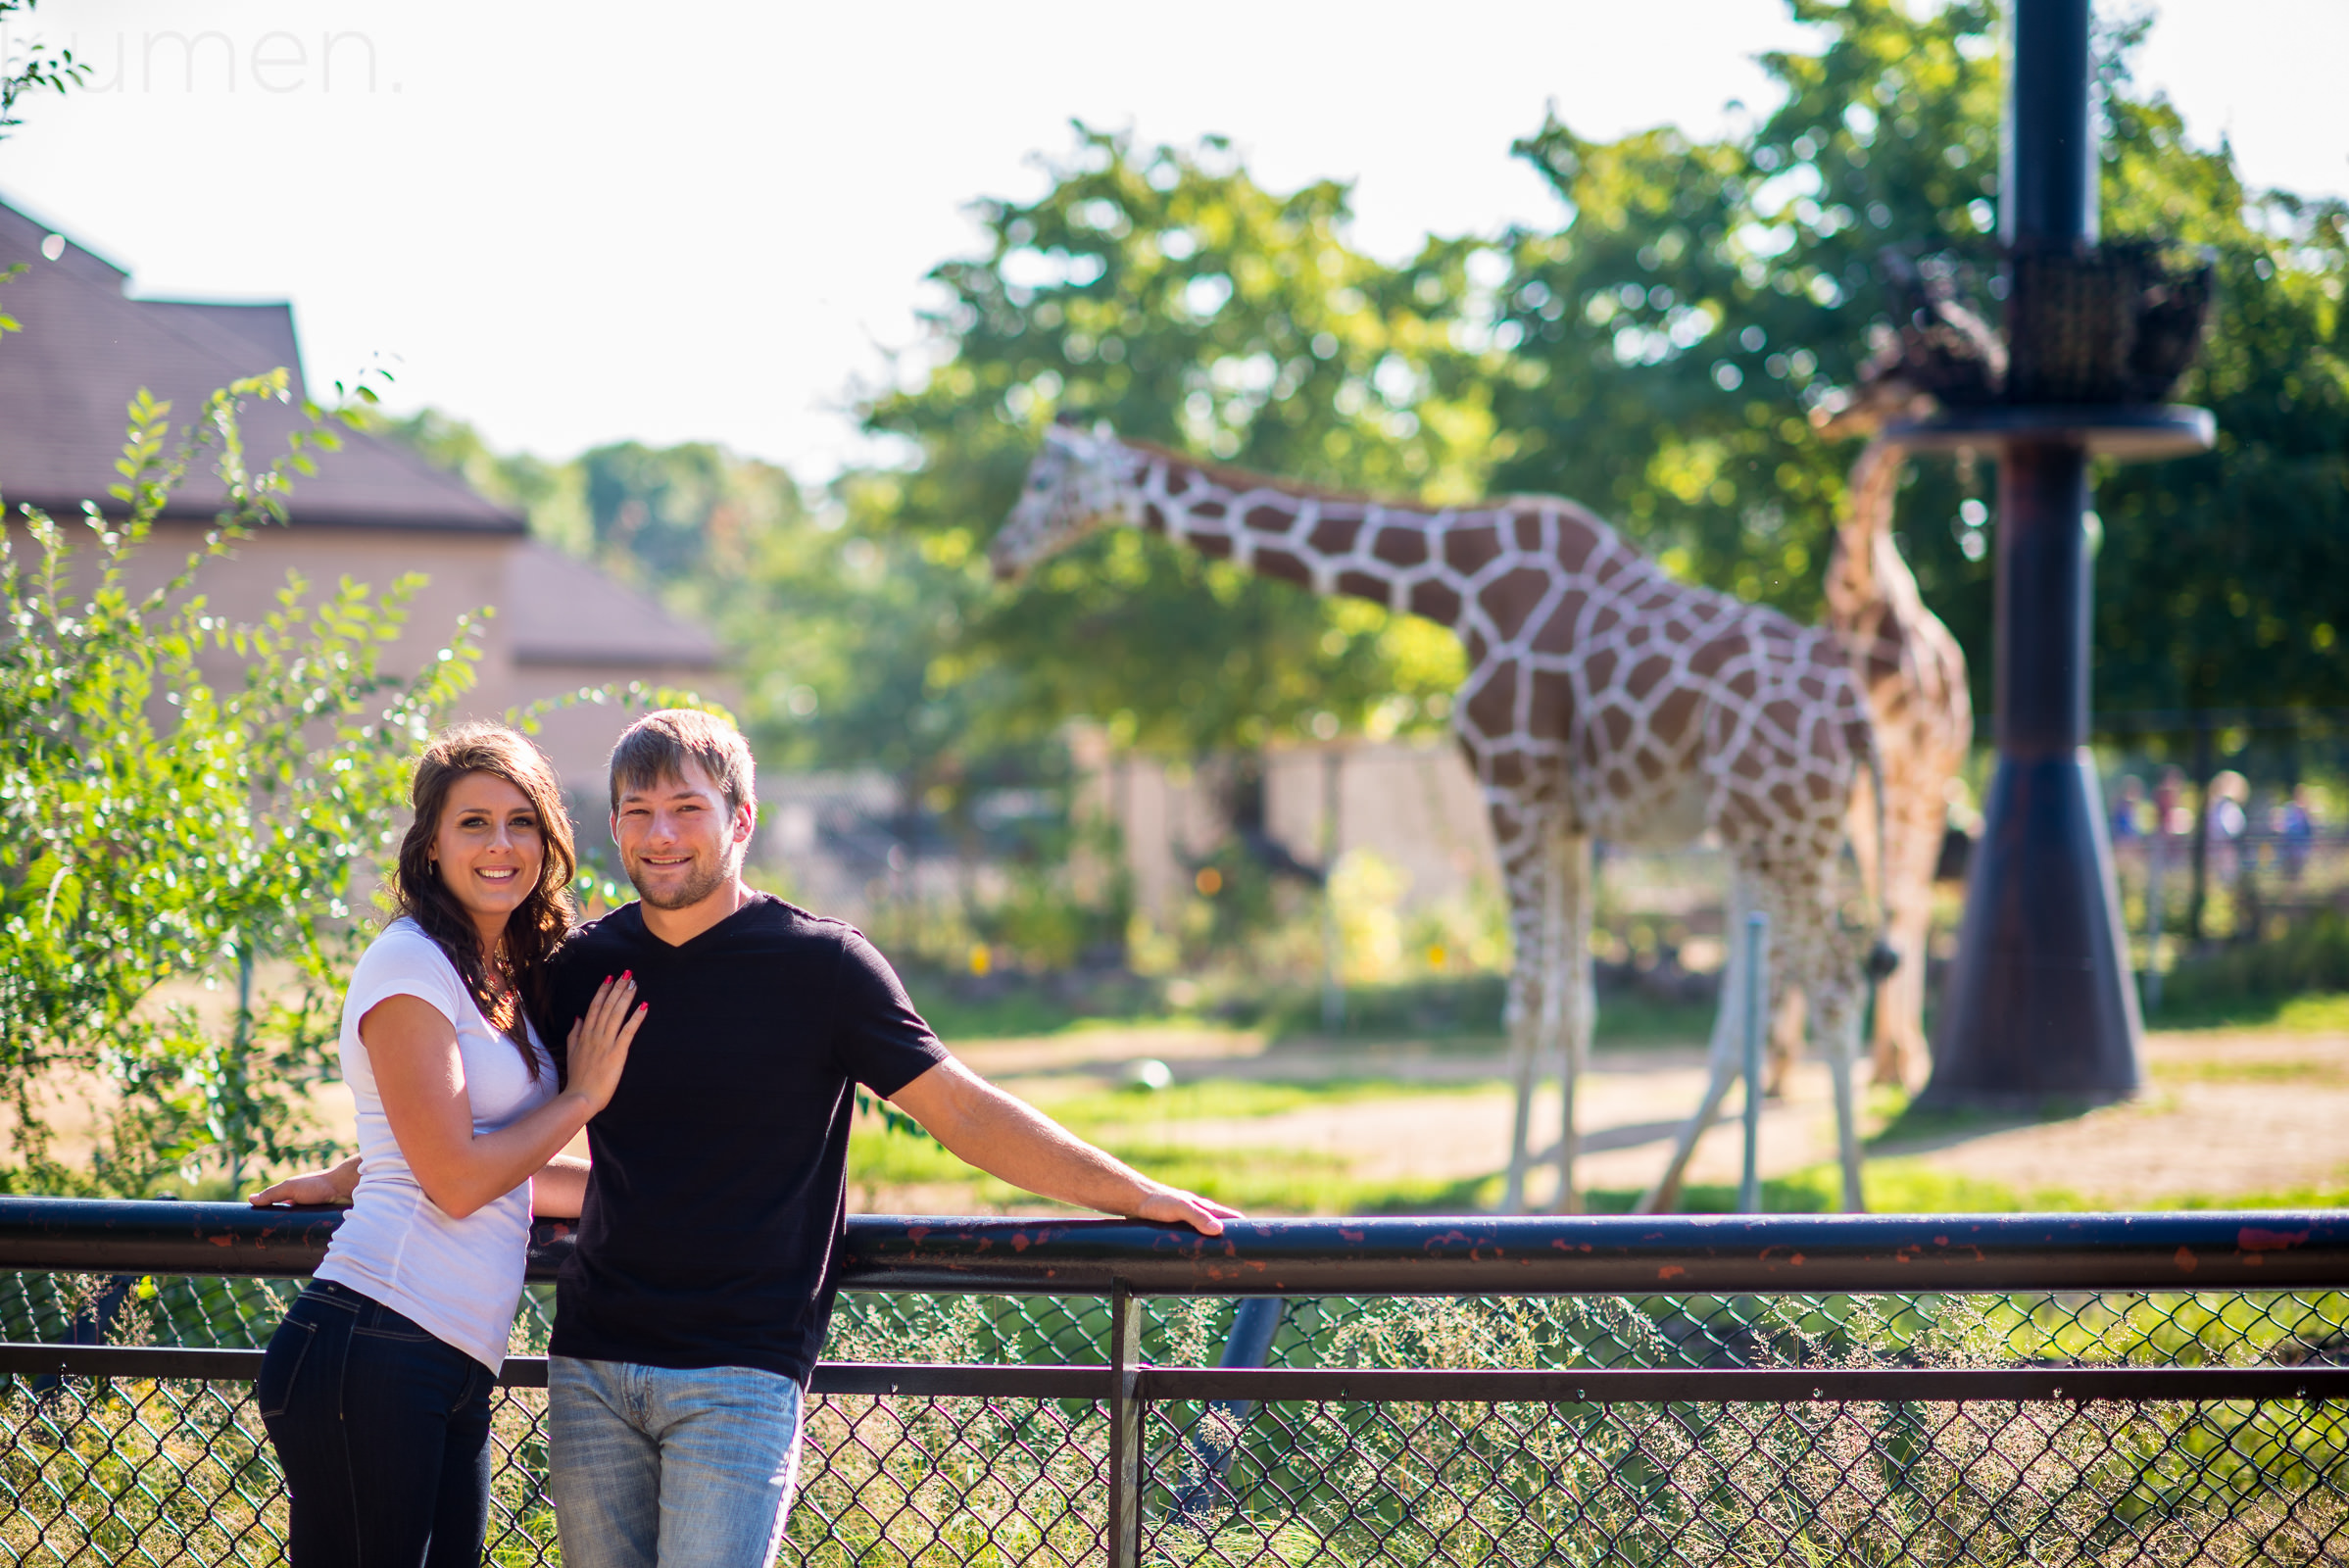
{"type": "Point", "coordinates": [1331, 544]}
{"type": "Point", "coordinates": [1866, 571]}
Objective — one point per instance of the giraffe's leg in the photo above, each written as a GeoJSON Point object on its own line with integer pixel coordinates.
{"type": "Point", "coordinates": [1524, 865]}
{"type": "Point", "coordinates": [1523, 1021]}
{"type": "Point", "coordinates": [1569, 996]}
{"type": "Point", "coordinates": [1900, 1053]}
{"type": "Point", "coordinates": [1896, 1032]}
{"type": "Point", "coordinates": [1839, 1016]}
{"type": "Point", "coordinates": [1787, 1021]}
{"type": "Point", "coordinates": [1828, 961]}
{"type": "Point", "coordinates": [1723, 1059]}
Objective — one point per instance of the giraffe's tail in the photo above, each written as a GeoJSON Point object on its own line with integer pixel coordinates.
{"type": "Point", "coordinates": [1882, 958]}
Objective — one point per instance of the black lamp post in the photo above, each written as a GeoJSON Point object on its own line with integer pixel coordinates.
{"type": "Point", "coordinates": [2041, 1006]}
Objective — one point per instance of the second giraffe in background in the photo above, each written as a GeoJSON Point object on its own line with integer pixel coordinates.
{"type": "Point", "coordinates": [1914, 676]}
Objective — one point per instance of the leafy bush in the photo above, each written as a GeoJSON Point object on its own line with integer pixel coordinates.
{"type": "Point", "coordinates": [161, 826]}
{"type": "Point", "coordinates": [2313, 957]}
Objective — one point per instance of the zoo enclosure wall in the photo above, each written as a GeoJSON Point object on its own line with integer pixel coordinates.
{"type": "Point", "coordinates": [1961, 1389]}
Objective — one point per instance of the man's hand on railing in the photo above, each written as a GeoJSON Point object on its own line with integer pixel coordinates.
{"type": "Point", "coordinates": [1171, 1206]}
{"type": "Point", "coordinates": [313, 1189]}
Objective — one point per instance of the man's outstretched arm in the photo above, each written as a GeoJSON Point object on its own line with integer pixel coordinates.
{"type": "Point", "coordinates": [1011, 1140]}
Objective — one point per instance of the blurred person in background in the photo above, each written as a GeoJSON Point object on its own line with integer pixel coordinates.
{"type": "Point", "coordinates": [2128, 826]}
{"type": "Point", "coordinates": [2228, 823]}
{"type": "Point", "coordinates": [2295, 832]}
{"type": "Point", "coordinates": [2171, 819]}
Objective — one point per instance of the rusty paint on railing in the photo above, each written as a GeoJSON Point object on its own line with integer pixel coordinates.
{"type": "Point", "coordinates": [1446, 1255]}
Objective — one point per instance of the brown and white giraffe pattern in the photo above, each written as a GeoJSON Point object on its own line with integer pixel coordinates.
{"type": "Point", "coordinates": [1604, 699]}
{"type": "Point", "coordinates": [1914, 674]}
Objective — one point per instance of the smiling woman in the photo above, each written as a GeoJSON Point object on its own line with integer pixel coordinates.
{"type": "Point", "coordinates": [375, 1387]}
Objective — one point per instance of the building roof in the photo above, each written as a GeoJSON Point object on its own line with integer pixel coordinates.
{"type": "Point", "coordinates": [561, 610]}
{"type": "Point", "coordinates": [86, 348]}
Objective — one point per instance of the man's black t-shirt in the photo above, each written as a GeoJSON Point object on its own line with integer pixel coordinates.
{"type": "Point", "coordinates": [720, 1184]}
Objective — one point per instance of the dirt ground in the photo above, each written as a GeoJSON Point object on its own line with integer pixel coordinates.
{"type": "Point", "coordinates": [2223, 1116]}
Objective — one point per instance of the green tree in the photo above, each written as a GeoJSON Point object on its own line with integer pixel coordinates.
{"type": "Point", "coordinates": [2220, 581]}
{"type": "Point", "coordinates": [1655, 355]}
{"type": "Point", "coordinates": [1166, 292]}
{"type": "Point", "coordinates": [722, 540]}
{"type": "Point", "coordinates": [1670, 336]}
{"type": "Point", "coordinates": [551, 494]}
{"type": "Point", "coordinates": [164, 828]}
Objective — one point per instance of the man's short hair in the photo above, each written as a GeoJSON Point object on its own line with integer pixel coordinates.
{"type": "Point", "coordinates": [657, 747]}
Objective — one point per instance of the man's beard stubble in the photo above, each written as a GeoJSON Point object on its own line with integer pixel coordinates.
{"type": "Point", "coordinates": [692, 891]}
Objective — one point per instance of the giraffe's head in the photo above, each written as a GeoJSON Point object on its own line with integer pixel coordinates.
{"type": "Point", "coordinates": [1864, 408]}
{"type": "Point", "coordinates": [1080, 480]}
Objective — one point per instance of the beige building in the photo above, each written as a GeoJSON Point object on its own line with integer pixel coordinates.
{"type": "Point", "coordinates": [373, 511]}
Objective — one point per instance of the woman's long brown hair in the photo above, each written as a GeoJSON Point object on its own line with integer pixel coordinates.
{"type": "Point", "coordinates": [511, 984]}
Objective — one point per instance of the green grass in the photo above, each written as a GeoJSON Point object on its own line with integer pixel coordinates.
{"type": "Point", "coordinates": [131, 1470]}
{"type": "Point", "coordinates": [1023, 1012]}
{"type": "Point", "coordinates": [1892, 1186]}
{"type": "Point", "coordinates": [1446, 1010]}
{"type": "Point", "coordinates": [2218, 1070]}
{"type": "Point", "coordinates": [1257, 1178]}
{"type": "Point", "coordinates": [1467, 1009]}
{"type": "Point", "coordinates": [1145, 1130]}
{"type": "Point", "coordinates": [1086, 1109]}
{"type": "Point", "coordinates": [2323, 1013]}
{"type": "Point", "coordinates": [1275, 1180]}
{"type": "Point", "coordinates": [1909, 1185]}
{"type": "Point", "coordinates": [1288, 1181]}
{"type": "Point", "coordinates": [2254, 980]}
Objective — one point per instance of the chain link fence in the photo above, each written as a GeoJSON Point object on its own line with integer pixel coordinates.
{"type": "Point", "coordinates": [951, 1428]}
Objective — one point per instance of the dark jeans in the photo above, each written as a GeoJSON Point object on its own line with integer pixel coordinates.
{"type": "Point", "coordinates": [383, 1434]}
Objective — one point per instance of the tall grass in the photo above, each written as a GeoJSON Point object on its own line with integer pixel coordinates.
{"type": "Point", "coordinates": [2250, 982]}
{"type": "Point", "coordinates": [179, 1472]}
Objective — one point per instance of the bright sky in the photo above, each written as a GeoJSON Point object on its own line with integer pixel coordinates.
{"type": "Point", "coordinates": [586, 223]}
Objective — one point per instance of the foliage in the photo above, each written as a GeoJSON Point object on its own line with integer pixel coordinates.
{"type": "Point", "coordinates": [166, 827]}
{"type": "Point", "coordinates": [1699, 298]}
{"type": "Point", "coordinates": [1166, 292]}
{"type": "Point", "coordinates": [36, 68]}
{"type": "Point", "coordinates": [1668, 338]}
{"type": "Point", "coordinates": [2312, 956]}
{"type": "Point", "coordinates": [1656, 354]}
{"type": "Point", "coordinates": [2217, 585]}
{"type": "Point", "coordinates": [828, 627]}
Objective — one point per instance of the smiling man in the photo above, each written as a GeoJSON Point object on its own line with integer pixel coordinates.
{"type": "Point", "coordinates": [690, 1316]}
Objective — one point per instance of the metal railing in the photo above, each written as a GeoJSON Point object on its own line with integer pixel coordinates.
{"type": "Point", "coordinates": [1992, 1390]}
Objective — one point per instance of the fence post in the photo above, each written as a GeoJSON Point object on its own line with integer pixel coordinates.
{"type": "Point", "coordinates": [1255, 1321]}
{"type": "Point", "coordinates": [1125, 1428]}
{"type": "Point", "coordinates": [1333, 951]}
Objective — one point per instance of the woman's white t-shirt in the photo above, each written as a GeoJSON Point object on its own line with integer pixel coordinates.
{"type": "Point", "coordinates": [460, 1279]}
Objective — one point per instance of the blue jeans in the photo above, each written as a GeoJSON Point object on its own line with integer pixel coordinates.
{"type": "Point", "coordinates": [652, 1467]}
{"type": "Point", "coordinates": [382, 1432]}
